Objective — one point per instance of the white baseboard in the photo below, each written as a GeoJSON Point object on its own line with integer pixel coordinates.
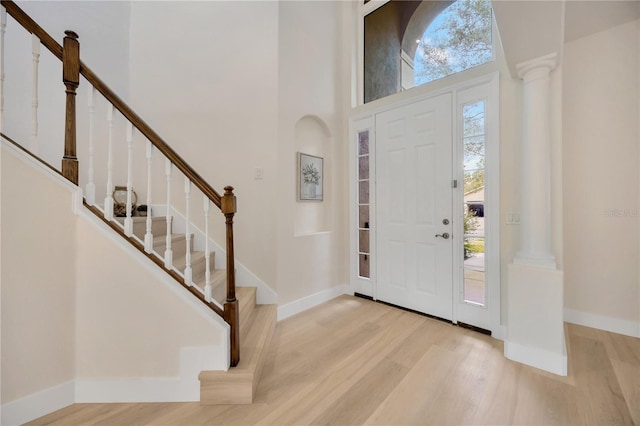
{"type": "Point", "coordinates": [601, 322]}
{"type": "Point", "coordinates": [535, 357]}
{"type": "Point", "coordinates": [184, 388]}
{"type": "Point", "coordinates": [128, 390]}
{"type": "Point", "coordinates": [309, 302]}
{"type": "Point", "coordinates": [38, 404]}
{"type": "Point", "coordinates": [500, 333]}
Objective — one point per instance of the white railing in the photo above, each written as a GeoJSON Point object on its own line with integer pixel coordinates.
{"type": "Point", "coordinates": [111, 158]}
{"type": "Point", "coordinates": [3, 26]}
{"type": "Point", "coordinates": [112, 142]}
{"type": "Point", "coordinates": [148, 236]}
{"type": "Point", "coordinates": [90, 188]}
{"type": "Point", "coordinates": [35, 54]}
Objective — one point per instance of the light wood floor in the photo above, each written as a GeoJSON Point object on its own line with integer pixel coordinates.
{"type": "Point", "coordinates": [352, 361]}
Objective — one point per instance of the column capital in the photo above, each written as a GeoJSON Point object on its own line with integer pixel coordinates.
{"type": "Point", "coordinates": [537, 67]}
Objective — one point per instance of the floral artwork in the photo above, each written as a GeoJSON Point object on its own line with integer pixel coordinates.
{"type": "Point", "coordinates": [310, 177]}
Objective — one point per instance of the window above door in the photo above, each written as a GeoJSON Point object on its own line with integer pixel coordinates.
{"type": "Point", "coordinates": [411, 43]}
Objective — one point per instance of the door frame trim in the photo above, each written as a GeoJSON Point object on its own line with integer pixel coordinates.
{"type": "Point", "coordinates": [364, 117]}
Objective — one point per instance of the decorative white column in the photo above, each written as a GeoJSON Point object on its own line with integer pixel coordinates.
{"type": "Point", "coordinates": [535, 303]}
{"type": "Point", "coordinates": [535, 244]}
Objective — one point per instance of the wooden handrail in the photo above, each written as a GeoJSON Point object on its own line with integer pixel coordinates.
{"type": "Point", "coordinates": [72, 67]}
{"type": "Point", "coordinates": [32, 27]}
{"type": "Point", "coordinates": [150, 134]}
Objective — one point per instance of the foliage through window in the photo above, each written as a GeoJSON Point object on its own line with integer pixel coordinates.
{"type": "Point", "coordinates": [457, 39]}
{"type": "Point", "coordinates": [409, 43]}
{"type": "Point", "coordinates": [474, 141]}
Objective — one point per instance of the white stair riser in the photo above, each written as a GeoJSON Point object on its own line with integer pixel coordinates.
{"type": "Point", "coordinates": [178, 247]}
{"type": "Point", "coordinates": [158, 227]}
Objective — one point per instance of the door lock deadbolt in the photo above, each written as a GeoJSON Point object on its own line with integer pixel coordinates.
{"type": "Point", "coordinates": [445, 221]}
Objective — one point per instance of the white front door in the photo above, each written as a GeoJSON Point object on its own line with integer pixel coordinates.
{"type": "Point", "coordinates": [414, 206]}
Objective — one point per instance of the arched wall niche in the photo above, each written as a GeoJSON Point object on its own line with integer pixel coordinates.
{"type": "Point", "coordinates": [313, 137]}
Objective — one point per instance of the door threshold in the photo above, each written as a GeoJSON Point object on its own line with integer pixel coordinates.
{"type": "Point", "coordinates": [362, 296]}
{"type": "Point", "coordinates": [474, 328]}
{"type": "Point", "coordinates": [415, 312]}
{"type": "Point", "coordinates": [459, 324]}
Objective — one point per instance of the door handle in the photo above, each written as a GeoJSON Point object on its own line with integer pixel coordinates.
{"type": "Point", "coordinates": [444, 235]}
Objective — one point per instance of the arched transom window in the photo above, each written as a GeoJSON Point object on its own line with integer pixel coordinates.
{"type": "Point", "coordinates": [409, 43]}
{"type": "Point", "coordinates": [457, 39]}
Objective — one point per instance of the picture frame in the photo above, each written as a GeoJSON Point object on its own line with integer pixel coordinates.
{"type": "Point", "coordinates": [310, 177]}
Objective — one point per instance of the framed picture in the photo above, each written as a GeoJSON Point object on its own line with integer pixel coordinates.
{"type": "Point", "coordinates": [310, 177]}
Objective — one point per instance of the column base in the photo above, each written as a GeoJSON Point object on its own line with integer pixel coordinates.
{"type": "Point", "coordinates": [535, 322]}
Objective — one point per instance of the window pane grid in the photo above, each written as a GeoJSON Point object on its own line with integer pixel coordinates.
{"type": "Point", "coordinates": [363, 205]}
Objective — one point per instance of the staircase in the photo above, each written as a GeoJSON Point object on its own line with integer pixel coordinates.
{"type": "Point", "coordinates": [251, 326]}
{"type": "Point", "coordinates": [198, 259]}
{"type": "Point", "coordinates": [257, 322]}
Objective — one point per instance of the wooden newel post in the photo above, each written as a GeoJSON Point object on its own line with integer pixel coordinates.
{"type": "Point", "coordinates": [231, 304]}
{"type": "Point", "coordinates": [71, 79]}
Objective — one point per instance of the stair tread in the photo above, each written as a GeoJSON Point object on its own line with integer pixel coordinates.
{"type": "Point", "coordinates": [247, 302]}
{"type": "Point", "coordinates": [260, 325]}
{"type": "Point", "coordinates": [218, 276]}
{"type": "Point", "coordinates": [160, 239]}
{"type": "Point", "coordinates": [137, 219]}
{"type": "Point", "coordinates": [253, 346]}
{"type": "Point", "coordinates": [196, 257]}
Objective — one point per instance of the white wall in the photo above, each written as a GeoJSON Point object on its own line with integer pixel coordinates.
{"type": "Point", "coordinates": [312, 237]}
{"type": "Point", "coordinates": [38, 281]}
{"type": "Point", "coordinates": [129, 322]}
{"type": "Point", "coordinates": [246, 87]}
{"type": "Point", "coordinates": [601, 173]}
{"type": "Point", "coordinates": [204, 76]}
{"type": "Point", "coordinates": [103, 30]}
{"type": "Point", "coordinates": [86, 317]}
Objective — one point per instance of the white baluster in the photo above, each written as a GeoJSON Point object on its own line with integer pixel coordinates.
{"type": "Point", "coordinates": [90, 189]}
{"type": "Point", "coordinates": [168, 254]}
{"type": "Point", "coordinates": [207, 250]}
{"type": "Point", "coordinates": [3, 25]}
{"type": "Point", "coordinates": [188, 272]}
{"type": "Point", "coordinates": [148, 237]}
{"type": "Point", "coordinates": [35, 53]}
{"type": "Point", "coordinates": [128, 222]}
{"type": "Point", "coordinates": [108, 201]}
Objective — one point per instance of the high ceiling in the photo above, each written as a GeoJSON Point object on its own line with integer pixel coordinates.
{"type": "Point", "coordinates": [583, 18]}
{"type": "Point", "coordinates": [531, 29]}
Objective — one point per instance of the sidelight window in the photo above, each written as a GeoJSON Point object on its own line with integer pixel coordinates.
{"type": "Point", "coordinates": [364, 218]}
{"type": "Point", "coordinates": [473, 140]}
